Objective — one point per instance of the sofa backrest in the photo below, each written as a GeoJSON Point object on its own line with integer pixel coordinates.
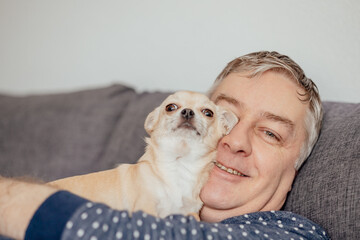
{"type": "Point", "coordinates": [60, 135]}
{"type": "Point", "coordinates": [327, 188]}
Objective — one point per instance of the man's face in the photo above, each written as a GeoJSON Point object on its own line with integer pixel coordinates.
{"type": "Point", "coordinates": [255, 162]}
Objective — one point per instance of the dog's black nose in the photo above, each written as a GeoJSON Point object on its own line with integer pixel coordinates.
{"type": "Point", "coordinates": [187, 113]}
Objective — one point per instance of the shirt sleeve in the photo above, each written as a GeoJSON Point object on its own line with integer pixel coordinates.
{"type": "Point", "coordinates": [94, 221]}
{"type": "Point", "coordinates": [49, 220]}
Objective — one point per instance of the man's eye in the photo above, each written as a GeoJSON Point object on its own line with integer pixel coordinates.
{"type": "Point", "coordinates": [271, 135]}
{"type": "Point", "coordinates": [208, 112]}
{"type": "Point", "coordinates": [171, 107]}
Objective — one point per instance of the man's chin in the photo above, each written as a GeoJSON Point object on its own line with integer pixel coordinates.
{"type": "Point", "coordinates": [218, 195]}
{"type": "Point", "coordinates": [217, 199]}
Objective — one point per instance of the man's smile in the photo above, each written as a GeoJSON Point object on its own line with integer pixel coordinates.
{"type": "Point", "coordinates": [229, 170]}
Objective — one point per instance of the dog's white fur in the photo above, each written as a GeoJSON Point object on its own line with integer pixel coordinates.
{"type": "Point", "coordinates": [169, 176]}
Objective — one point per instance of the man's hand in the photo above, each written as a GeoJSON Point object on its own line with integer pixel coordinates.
{"type": "Point", "coordinates": [18, 202]}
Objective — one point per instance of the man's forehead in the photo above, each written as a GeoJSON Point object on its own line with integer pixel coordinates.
{"type": "Point", "coordinates": [271, 90]}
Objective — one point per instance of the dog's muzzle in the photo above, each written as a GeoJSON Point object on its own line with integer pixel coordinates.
{"type": "Point", "coordinates": [187, 116]}
{"type": "Point", "coordinates": [187, 113]}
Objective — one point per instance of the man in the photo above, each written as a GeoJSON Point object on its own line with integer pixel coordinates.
{"type": "Point", "coordinates": [280, 116]}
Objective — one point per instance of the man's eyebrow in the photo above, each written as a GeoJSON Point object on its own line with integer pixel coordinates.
{"type": "Point", "coordinates": [266, 115]}
{"type": "Point", "coordinates": [273, 117]}
{"type": "Point", "coordinates": [223, 97]}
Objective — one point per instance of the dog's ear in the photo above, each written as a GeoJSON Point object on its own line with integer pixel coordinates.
{"type": "Point", "coordinates": [151, 120]}
{"type": "Point", "coordinates": [227, 119]}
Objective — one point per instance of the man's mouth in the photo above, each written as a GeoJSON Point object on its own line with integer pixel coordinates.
{"type": "Point", "coordinates": [229, 170]}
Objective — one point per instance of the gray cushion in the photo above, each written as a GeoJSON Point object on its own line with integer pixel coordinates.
{"type": "Point", "coordinates": [59, 135]}
{"type": "Point", "coordinates": [127, 142]}
{"type": "Point", "coordinates": [327, 188]}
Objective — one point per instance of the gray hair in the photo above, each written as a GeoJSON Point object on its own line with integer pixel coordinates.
{"type": "Point", "coordinates": [259, 62]}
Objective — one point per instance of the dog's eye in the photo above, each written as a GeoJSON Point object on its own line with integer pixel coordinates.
{"type": "Point", "coordinates": [171, 107]}
{"type": "Point", "coordinates": [208, 112]}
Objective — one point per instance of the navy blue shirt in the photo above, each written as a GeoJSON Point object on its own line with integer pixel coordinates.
{"type": "Point", "coordinates": [67, 216]}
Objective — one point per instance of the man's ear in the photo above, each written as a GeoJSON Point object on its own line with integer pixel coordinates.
{"type": "Point", "coordinates": [151, 120]}
{"type": "Point", "coordinates": [227, 119]}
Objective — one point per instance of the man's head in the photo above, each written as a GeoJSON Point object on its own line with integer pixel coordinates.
{"type": "Point", "coordinates": [257, 63]}
{"type": "Point", "coordinates": [280, 117]}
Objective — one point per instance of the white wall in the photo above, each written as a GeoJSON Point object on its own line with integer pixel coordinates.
{"type": "Point", "coordinates": [61, 45]}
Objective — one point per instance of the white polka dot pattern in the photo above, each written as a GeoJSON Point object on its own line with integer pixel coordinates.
{"type": "Point", "coordinates": [96, 221]}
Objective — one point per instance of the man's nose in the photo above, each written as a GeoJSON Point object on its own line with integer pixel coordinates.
{"type": "Point", "coordinates": [238, 140]}
{"type": "Point", "coordinates": [187, 113]}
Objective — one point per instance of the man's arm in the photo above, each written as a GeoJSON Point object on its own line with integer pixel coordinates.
{"type": "Point", "coordinates": [18, 203]}
{"type": "Point", "coordinates": [92, 221]}
{"type": "Point", "coordinates": [40, 212]}
{"type": "Point", "coordinates": [97, 221]}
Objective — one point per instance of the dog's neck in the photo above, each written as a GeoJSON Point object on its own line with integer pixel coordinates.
{"type": "Point", "coordinates": [178, 149]}
{"type": "Point", "coordinates": [181, 163]}
{"type": "Point", "coordinates": [179, 160]}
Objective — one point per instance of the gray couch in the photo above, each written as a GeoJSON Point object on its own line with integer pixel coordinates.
{"type": "Point", "coordinates": [60, 135]}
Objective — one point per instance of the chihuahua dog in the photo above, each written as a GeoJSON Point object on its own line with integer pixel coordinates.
{"type": "Point", "coordinates": [184, 132]}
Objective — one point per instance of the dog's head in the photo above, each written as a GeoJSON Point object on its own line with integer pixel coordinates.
{"type": "Point", "coordinates": [190, 114]}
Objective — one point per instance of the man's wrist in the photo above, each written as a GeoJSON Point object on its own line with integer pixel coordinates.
{"type": "Point", "coordinates": [18, 203]}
